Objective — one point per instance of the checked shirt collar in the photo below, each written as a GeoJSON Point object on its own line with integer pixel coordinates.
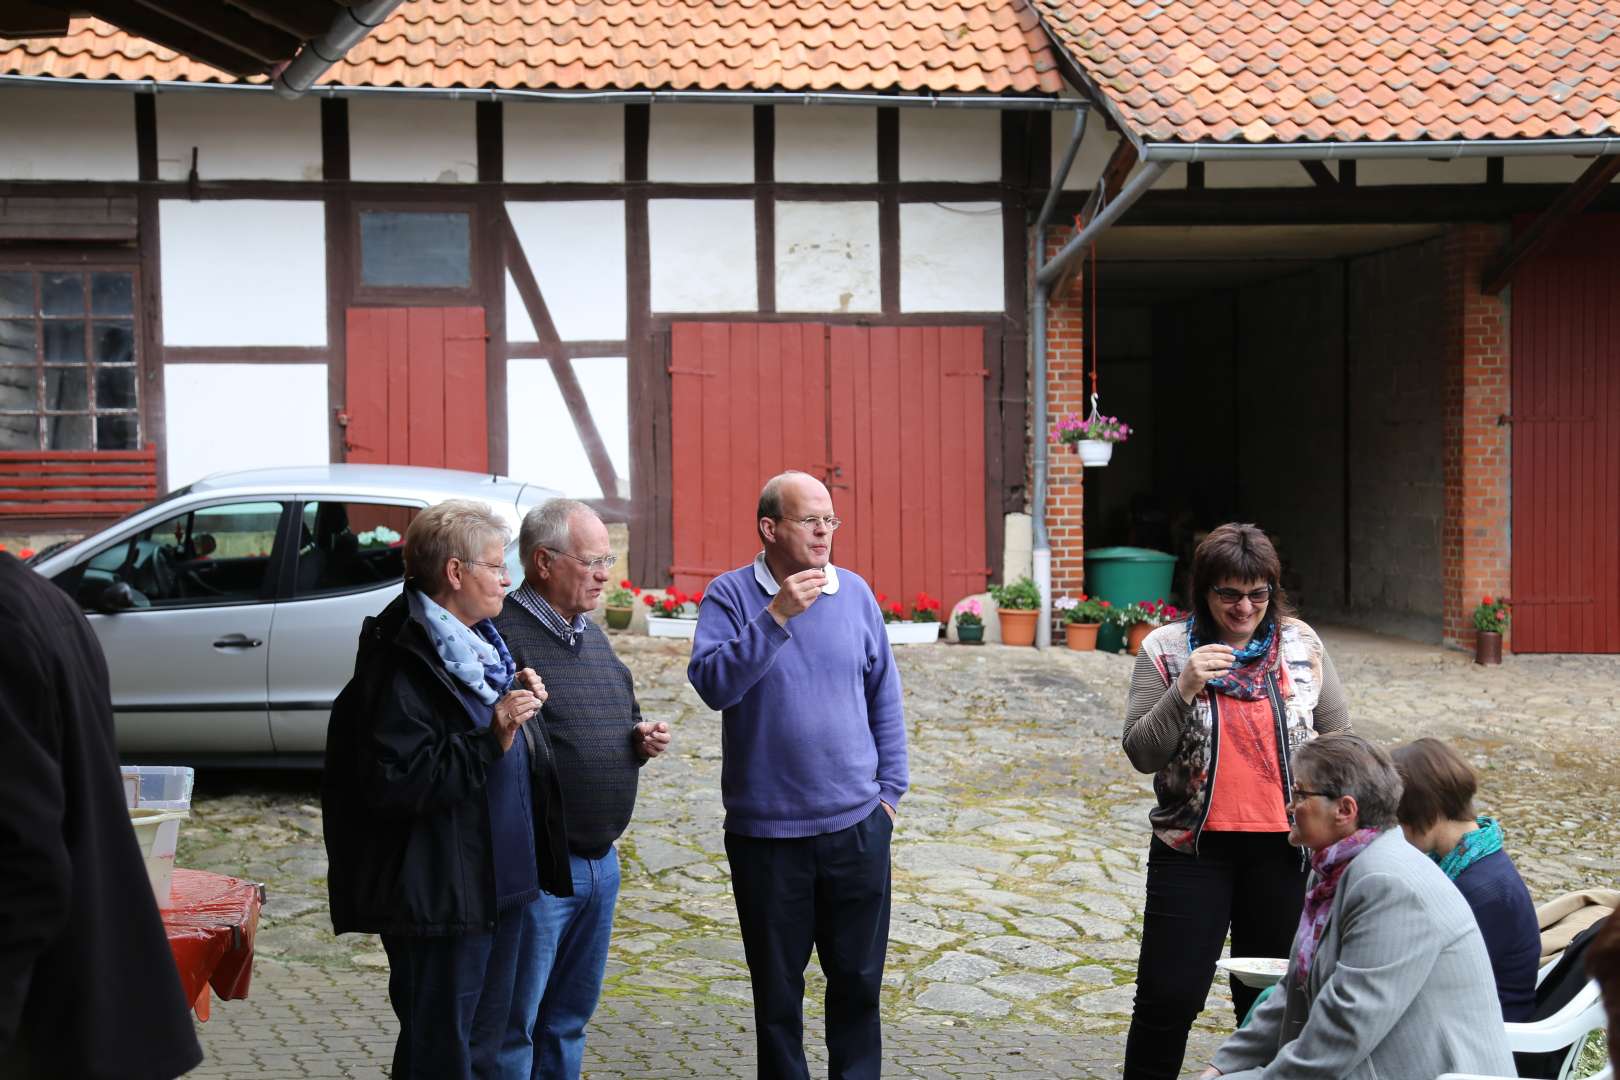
{"type": "Point", "coordinates": [537, 606]}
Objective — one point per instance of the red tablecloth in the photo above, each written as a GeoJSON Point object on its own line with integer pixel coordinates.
{"type": "Point", "coordinates": [211, 920]}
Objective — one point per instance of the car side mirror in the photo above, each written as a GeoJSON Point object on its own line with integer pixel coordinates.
{"type": "Point", "coordinates": [119, 596]}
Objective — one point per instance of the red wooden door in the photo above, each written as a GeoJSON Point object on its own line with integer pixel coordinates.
{"type": "Point", "coordinates": [893, 419]}
{"type": "Point", "coordinates": [1566, 444]}
{"type": "Point", "coordinates": [416, 387]}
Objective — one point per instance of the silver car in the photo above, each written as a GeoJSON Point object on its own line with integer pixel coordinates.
{"type": "Point", "coordinates": [229, 610]}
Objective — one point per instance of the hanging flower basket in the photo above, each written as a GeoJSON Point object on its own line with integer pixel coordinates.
{"type": "Point", "coordinates": [1094, 453]}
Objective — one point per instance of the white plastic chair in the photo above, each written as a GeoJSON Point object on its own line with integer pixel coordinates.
{"type": "Point", "coordinates": [1569, 1027]}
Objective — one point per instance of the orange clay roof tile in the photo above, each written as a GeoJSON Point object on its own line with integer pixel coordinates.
{"type": "Point", "coordinates": [1348, 70]}
{"type": "Point", "coordinates": [938, 46]}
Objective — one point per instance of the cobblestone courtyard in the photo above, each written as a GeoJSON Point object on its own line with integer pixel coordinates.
{"type": "Point", "coordinates": [1018, 865]}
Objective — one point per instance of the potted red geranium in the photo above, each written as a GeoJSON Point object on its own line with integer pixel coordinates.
{"type": "Point", "coordinates": [673, 614]}
{"type": "Point", "coordinates": [1490, 620]}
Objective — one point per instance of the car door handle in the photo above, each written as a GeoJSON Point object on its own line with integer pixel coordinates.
{"type": "Point", "coordinates": [237, 641]}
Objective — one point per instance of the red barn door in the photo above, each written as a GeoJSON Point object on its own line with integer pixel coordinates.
{"type": "Point", "coordinates": [891, 418]}
{"type": "Point", "coordinates": [1566, 444]}
{"type": "Point", "coordinates": [416, 388]}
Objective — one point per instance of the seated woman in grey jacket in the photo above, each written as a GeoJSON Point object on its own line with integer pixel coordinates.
{"type": "Point", "coordinates": [1388, 974]}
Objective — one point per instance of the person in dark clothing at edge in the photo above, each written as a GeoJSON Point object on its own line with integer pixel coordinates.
{"type": "Point", "coordinates": [1219, 704]}
{"type": "Point", "coordinates": [442, 820]}
{"type": "Point", "coordinates": [594, 726]}
{"type": "Point", "coordinates": [88, 987]}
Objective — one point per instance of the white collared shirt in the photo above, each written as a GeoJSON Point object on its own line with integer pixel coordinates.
{"type": "Point", "coordinates": [762, 574]}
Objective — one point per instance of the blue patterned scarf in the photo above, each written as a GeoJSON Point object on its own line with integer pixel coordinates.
{"type": "Point", "coordinates": [1474, 846]}
{"type": "Point", "coordinates": [1253, 662]}
{"type": "Point", "coordinates": [475, 656]}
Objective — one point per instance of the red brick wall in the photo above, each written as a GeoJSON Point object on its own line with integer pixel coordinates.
{"type": "Point", "coordinates": [1475, 558]}
{"type": "Point", "coordinates": [1068, 390]}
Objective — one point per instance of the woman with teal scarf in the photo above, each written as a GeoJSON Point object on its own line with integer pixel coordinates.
{"type": "Point", "coordinates": [1437, 815]}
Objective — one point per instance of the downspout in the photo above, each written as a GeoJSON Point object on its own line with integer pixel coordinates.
{"type": "Point", "coordinates": [1045, 279]}
{"type": "Point", "coordinates": [1041, 545]}
{"type": "Point", "coordinates": [349, 26]}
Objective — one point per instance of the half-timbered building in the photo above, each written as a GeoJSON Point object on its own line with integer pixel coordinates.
{"type": "Point", "coordinates": [1349, 275]}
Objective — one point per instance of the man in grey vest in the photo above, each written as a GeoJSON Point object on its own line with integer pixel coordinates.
{"type": "Point", "coordinates": [598, 743]}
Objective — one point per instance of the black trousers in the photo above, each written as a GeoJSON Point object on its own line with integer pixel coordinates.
{"type": "Point", "coordinates": [1253, 883]}
{"type": "Point", "coordinates": [830, 891]}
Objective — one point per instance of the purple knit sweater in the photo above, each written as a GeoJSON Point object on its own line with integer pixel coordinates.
{"type": "Point", "coordinates": [812, 730]}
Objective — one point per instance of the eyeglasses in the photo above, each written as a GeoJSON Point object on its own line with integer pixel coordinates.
{"type": "Point", "coordinates": [600, 565]}
{"type": "Point", "coordinates": [1298, 795]}
{"type": "Point", "coordinates": [499, 568]}
{"type": "Point", "coordinates": [829, 522]}
{"type": "Point", "coordinates": [1231, 596]}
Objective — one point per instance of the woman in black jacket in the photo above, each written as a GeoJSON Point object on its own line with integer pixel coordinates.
{"type": "Point", "coordinates": [442, 817]}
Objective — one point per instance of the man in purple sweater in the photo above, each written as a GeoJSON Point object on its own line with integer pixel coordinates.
{"type": "Point", "coordinates": [792, 651]}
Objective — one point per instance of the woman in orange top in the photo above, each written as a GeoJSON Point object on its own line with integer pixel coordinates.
{"type": "Point", "coordinates": [1218, 704]}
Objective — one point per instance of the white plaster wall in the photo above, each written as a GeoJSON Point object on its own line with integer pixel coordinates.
{"type": "Point", "coordinates": [1375, 172]}
{"type": "Point", "coordinates": [543, 445]}
{"type": "Point", "coordinates": [410, 140]}
{"type": "Point", "coordinates": [950, 144]}
{"type": "Point", "coordinates": [827, 257]}
{"type": "Point", "coordinates": [549, 142]}
{"type": "Point", "coordinates": [1542, 170]}
{"type": "Point", "coordinates": [702, 255]}
{"type": "Point", "coordinates": [1257, 174]}
{"type": "Point", "coordinates": [825, 145]}
{"type": "Point", "coordinates": [1096, 148]}
{"type": "Point", "coordinates": [701, 143]}
{"type": "Point", "coordinates": [67, 135]}
{"type": "Point", "coordinates": [239, 136]}
{"type": "Point", "coordinates": [243, 416]}
{"type": "Point", "coordinates": [950, 257]}
{"type": "Point", "coordinates": [576, 250]}
{"type": "Point", "coordinates": [243, 272]}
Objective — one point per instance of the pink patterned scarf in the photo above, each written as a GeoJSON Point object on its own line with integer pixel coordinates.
{"type": "Point", "coordinates": [1329, 864]}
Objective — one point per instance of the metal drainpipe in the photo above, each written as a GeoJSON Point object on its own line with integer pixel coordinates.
{"type": "Point", "coordinates": [1041, 544]}
{"type": "Point", "coordinates": [349, 26]}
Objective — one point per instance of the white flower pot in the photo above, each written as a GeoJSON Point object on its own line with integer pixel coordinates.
{"type": "Point", "coordinates": [659, 626]}
{"type": "Point", "coordinates": [911, 633]}
{"type": "Point", "coordinates": [1095, 452]}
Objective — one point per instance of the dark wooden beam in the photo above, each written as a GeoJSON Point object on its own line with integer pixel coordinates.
{"type": "Point", "coordinates": [1320, 174]}
{"type": "Point", "coordinates": [144, 22]}
{"type": "Point", "coordinates": [1347, 173]}
{"type": "Point", "coordinates": [229, 27]}
{"type": "Point", "coordinates": [1552, 222]}
{"type": "Point", "coordinates": [765, 206]}
{"type": "Point", "coordinates": [888, 166]}
{"type": "Point", "coordinates": [304, 19]}
{"type": "Point", "coordinates": [22, 19]}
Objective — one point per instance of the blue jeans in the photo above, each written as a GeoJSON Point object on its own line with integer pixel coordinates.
{"type": "Point", "coordinates": [457, 999]}
{"type": "Point", "coordinates": [573, 940]}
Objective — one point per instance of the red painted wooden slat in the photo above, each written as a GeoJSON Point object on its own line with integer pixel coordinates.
{"type": "Point", "coordinates": [70, 509]}
{"type": "Point", "coordinates": [716, 417]}
{"type": "Point", "coordinates": [774, 339]}
{"type": "Point", "coordinates": [425, 347]}
{"type": "Point", "coordinates": [954, 494]}
{"type": "Point", "coordinates": [686, 441]}
{"type": "Point", "coordinates": [883, 478]}
{"type": "Point", "coordinates": [841, 343]}
{"type": "Point", "coordinates": [466, 420]}
{"type": "Point", "coordinates": [908, 491]}
{"type": "Point", "coordinates": [9, 458]}
{"type": "Point", "coordinates": [972, 474]}
{"type": "Point", "coordinates": [365, 390]}
{"type": "Point", "coordinates": [930, 434]}
{"type": "Point", "coordinates": [747, 472]}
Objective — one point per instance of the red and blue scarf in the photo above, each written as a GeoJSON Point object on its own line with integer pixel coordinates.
{"type": "Point", "coordinates": [1329, 864]}
{"type": "Point", "coordinates": [1252, 663]}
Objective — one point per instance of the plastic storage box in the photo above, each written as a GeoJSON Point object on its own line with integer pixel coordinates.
{"type": "Point", "coordinates": [158, 787]}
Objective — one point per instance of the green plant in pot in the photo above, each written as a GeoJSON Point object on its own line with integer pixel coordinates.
{"type": "Point", "coordinates": [619, 604]}
{"type": "Point", "coordinates": [1082, 618]}
{"type": "Point", "coordinates": [969, 615]}
{"type": "Point", "coordinates": [1491, 619]}
{"type": "Point", "coordinates": [1017, 606]}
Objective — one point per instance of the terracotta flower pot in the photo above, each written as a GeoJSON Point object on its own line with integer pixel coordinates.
{"type": "Point", "coordinates": [970, 634]}
{"type": "Point", "coordinates": [1017, 626]}
{"type": "Point", "coordinates": [618, 617]}
{"type": "Point", "coordinates": [1134, 635]}
{"type": "Point", "coordinates": [1081, 636]}
{"type": "Point", "coordinates": [1487, 647]}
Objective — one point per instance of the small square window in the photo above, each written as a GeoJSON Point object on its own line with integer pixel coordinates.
{"type": "Point", "coordinates": [412, 249]}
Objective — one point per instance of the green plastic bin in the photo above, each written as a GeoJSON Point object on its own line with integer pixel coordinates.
{"type": "Point", "coordinates": [1124, 575]}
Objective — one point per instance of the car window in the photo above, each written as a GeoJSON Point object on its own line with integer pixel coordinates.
{"type": "Point", "coordinates": [209, 555]}
{"type": "Point", "coordinates": [344, 546]}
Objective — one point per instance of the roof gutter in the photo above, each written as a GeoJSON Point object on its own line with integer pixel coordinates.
{"type": "Point", "coordinates": [598, 97]}
{"type": "Point", "coordinates": [1437, 150]}
{"type": "Point", "coordinates": [349, 27]}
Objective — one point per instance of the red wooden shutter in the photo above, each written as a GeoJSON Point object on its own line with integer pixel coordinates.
{"type": "Point", "coordinates": [416, 387]}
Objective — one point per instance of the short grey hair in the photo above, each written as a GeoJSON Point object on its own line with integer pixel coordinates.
{"type": "Point", "coordinates": [453, 529]}
{"type": "Point", "coordinates": [547, 526]}
{"type": "Point", "coordinates": [1345, 764]}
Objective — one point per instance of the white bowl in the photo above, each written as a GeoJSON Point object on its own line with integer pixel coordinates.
{"type": "Point", "coordinates": [1254, 971]}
